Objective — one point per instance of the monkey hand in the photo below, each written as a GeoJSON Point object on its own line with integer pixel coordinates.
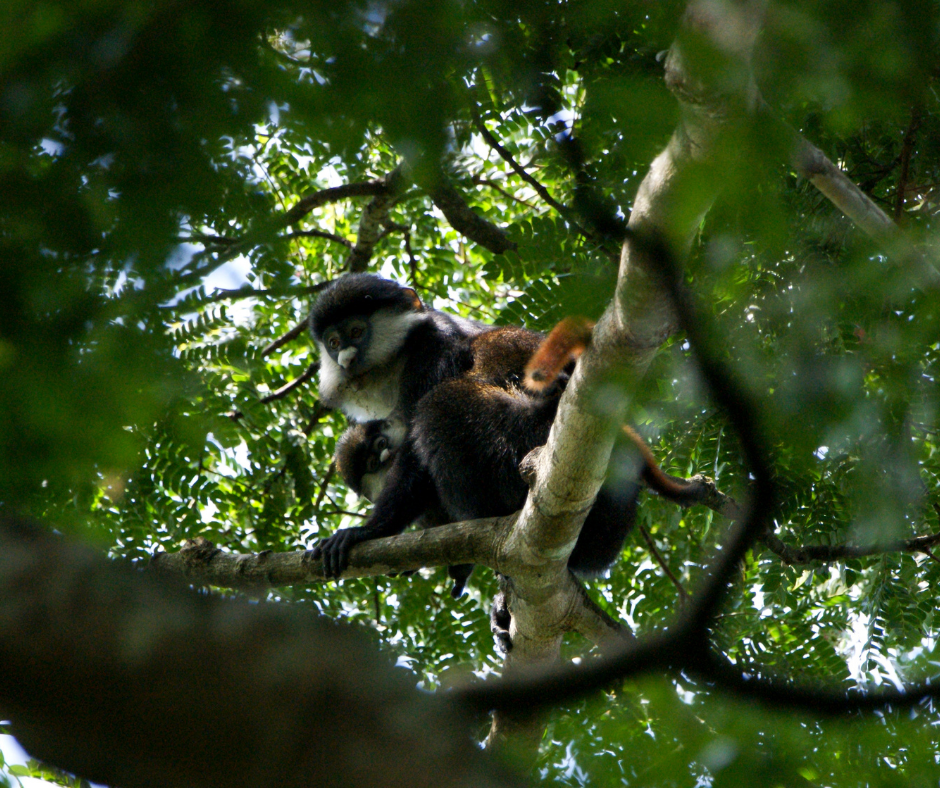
{"type": "Point", "coordinates": [335, 550]}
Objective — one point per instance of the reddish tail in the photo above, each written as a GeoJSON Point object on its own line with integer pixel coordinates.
{"type": "Point", "coordinates": [675, 490]}
{"type": "Point", "coordinates": [564, 344]}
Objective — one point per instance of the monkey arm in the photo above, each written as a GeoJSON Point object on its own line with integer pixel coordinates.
{"type": "Point", "coordinates": [407, 494]}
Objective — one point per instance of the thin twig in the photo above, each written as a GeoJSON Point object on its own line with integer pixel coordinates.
{"type": "Point", "coordinates": [319, 234]}
{"type": "Point", "coordinates": [840, 552]}
{"type": "Point", "coordinates": [327, 477]}
{"type": "Point", "coordinates": [517, 168]}
{"type": "Point", "coordinates": [286, 389]}
{"type": "Point", "coordinates": [282, 340]}
{"type": "Point", "coordinates": [683, 594]}
{"type": "Point", "coordinates": [508, 195]}
{"type": "Point", "coordinates": [251, 292]}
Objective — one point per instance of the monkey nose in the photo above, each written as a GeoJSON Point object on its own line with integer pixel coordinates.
{"type": "Point", "coordinates": [346, 356]}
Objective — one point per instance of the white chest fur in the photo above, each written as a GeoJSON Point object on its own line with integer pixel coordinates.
{"type": "Point", "coordinates": [372, 395]}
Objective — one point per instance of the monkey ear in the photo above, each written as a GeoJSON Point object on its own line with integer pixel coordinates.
{"type": "Point", "coordinates": [415, 301]}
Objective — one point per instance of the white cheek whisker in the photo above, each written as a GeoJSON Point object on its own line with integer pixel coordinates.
{"type": "Point", "coordinates": [331, 378]}
{"type": "Point", "coordinates": [389, 329]}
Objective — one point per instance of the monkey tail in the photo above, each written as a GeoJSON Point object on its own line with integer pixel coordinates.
{"type": "Point", "coordinates": [565, 343]}
{"type": "Point", "coordinates": [672, 489]}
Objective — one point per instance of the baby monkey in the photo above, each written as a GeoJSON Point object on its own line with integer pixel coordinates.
{"type": "Point", "coordinates": [364, 454]}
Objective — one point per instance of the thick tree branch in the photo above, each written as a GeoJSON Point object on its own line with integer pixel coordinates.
{"type": "Point", "coordinates": [464, 219]}
{"type": "Point", "coordinates": [473, 541]}
{"type": "Point", "coordinates": [126, 680]}
{"type": "Point", "coordinates": [591, 621]}
{"type": "Point", "coordinates": [571, 469]}
{"type": "Point", "coordinates": [311, 202]}
{"type": "Point", "coordinates": [672, 199]}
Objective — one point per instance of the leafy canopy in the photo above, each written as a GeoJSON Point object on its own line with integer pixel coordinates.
{"type": "Point", "coordinates": [151, 152]}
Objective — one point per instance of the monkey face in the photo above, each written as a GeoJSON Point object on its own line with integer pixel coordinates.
{"type": "Point", "coordinates": [378, 461]}
{"type": "Point", "coordinates": [379, 454]}
{"type": "Point", "coordinates": [347, 343]}
{"type": "Point", "coordinates": [359, 343]}
{"type": "Point", "coordinates": [360, 321]}
{"type": "Point", "coordinates": [365, 453]}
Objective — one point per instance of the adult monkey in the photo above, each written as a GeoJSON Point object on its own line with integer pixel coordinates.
{"type": "Point", "coordinates": [381, 352]}
{"type": "Point", "coordinates": [381, 349]}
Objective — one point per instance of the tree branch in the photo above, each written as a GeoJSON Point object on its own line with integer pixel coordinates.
{"type": "Point", "coordinates": [371, 224]}
{"type": "Point", "coordinates": [809, 554]}
{"type": "Point", "coordinates": [337, 239]}
{"type": "Point", "coordinates": [812, 164]}
{"type": "Point", "coordinates": [252, 292]}
{"type": "Point", "coordinates": [471, 542]}
{"type": "Point", "coordinates": [517, 168]}
{"type": "Point", "coordinates": [907, 150]}
{"type": "Point", "coordinates": [290, 336]}
{"type": "Point", "coordinates": [325, 196]}
{"type": "Point", "coordinates": [569, 214]}
{"type": "Point", "coordinates": [129, 680]}
{"type": "Point", "coordinates": [654, 551]}
{"type": "Point", "coordinates": [284, 390]}
{"type": "Point", "coordinates": [463, 218]}
{"type": "Point", "coordinates": [648, 307]}
{"type": "Point", "coordinates": [591, 621]}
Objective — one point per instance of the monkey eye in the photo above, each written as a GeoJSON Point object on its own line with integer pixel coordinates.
{"type": "Point", "coordinates": [334, 343]}
{"type": "Point", "coordinates": [372, 463]}
{"type": "Point", "coordinates": [381, 443]}
{"type": "Point", "coordinates": [356, 332]}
